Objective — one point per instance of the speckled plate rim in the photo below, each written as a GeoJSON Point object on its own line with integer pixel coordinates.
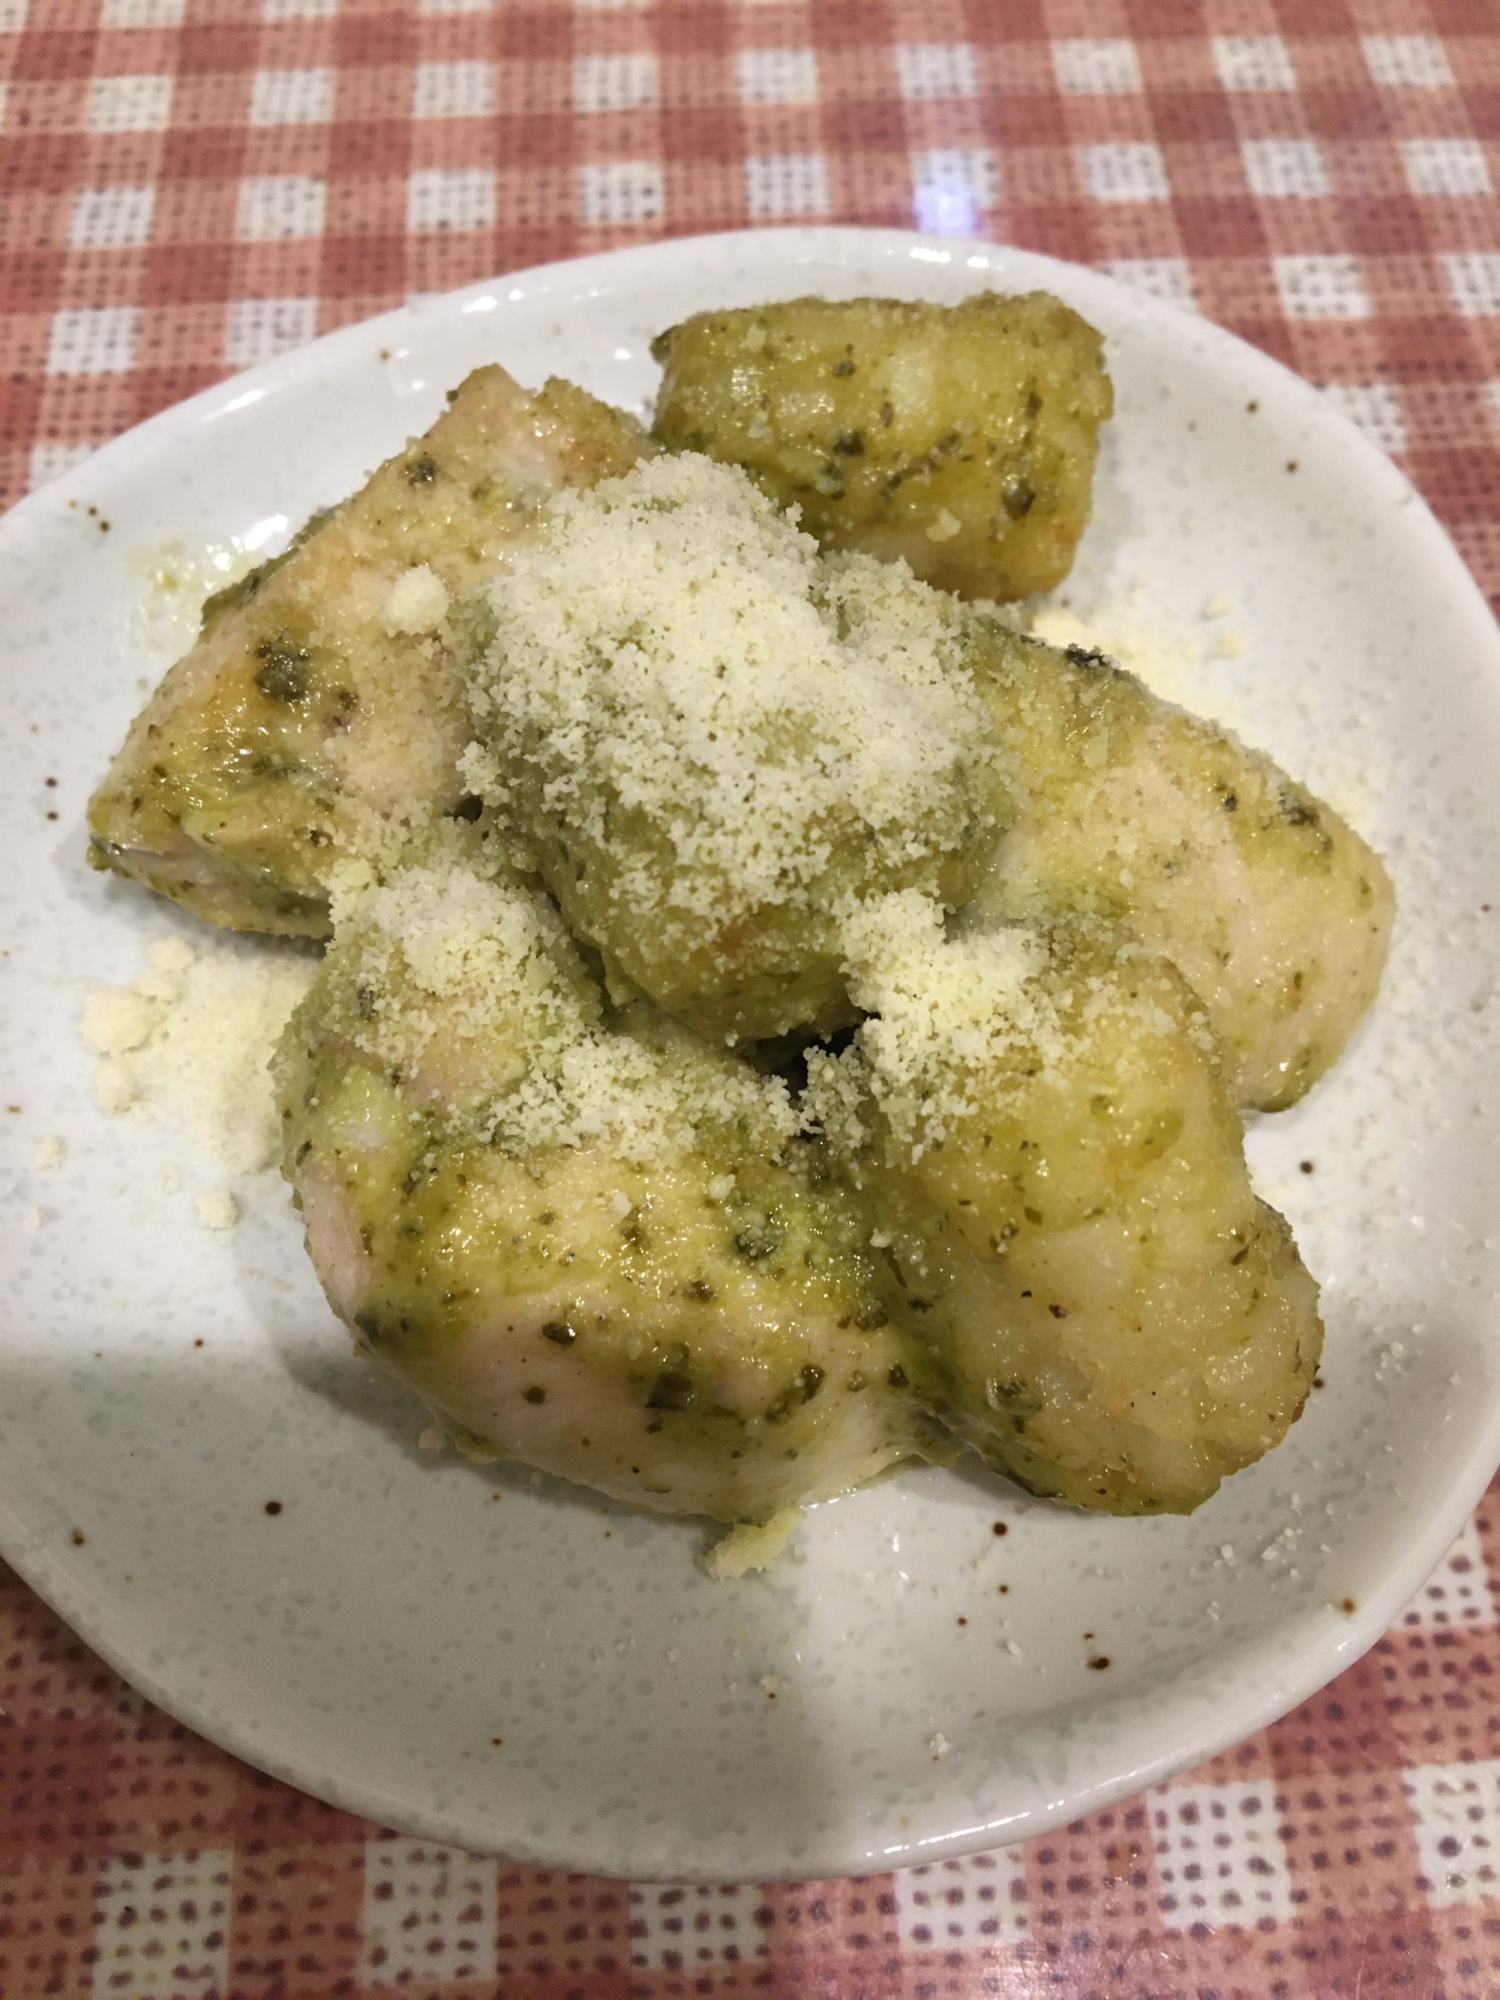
{"type": "Point", "coordinates": [1140, 1740]}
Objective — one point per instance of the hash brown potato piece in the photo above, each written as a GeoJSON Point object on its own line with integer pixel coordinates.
{"type": "Point", "coordinates": [962, 438]}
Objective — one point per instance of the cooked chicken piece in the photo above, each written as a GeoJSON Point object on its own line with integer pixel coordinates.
{"type": "Point", "coordinates": [318, 716]}
{"type": "Point", "coordinates": [601, 1250]}
{"type": "Point", "coordinates": [1275, 912]}
{"type": "Point", "coordinates": [1110, 1315]}
{"type": "Point", "coordinates": [713, 736]}
{"type": "Point", "coordinates": [960, 437]}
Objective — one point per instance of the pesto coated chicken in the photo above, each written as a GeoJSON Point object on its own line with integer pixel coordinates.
{"type": "Point", "coordinates": [625, 788]}
{"type": "Point", "coordinates": [712, 737]}
{"type": "Point", "coordinates": [318, 719]}
{"type": "Point", "coordinates": [601, 1249]}
{"type": "Point", "coordinates": [961, 438]}
{"type": "Point", "coordinates": [1106, 1311]}
{"type": "Point", "coordinates": [1273, 909]}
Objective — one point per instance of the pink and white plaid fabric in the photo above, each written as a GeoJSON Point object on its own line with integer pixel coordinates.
{"type": "Point", "coordinates": [189, 186]}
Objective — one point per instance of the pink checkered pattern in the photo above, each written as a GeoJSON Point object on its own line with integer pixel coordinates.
{"type": "Point", "coordinates": [1353, 1848]}
{"type": "Point", "coordinates": [189, 186]}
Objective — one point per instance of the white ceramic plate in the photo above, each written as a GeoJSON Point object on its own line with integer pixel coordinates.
{"type": "Point", "coordinates": [371, 1640]}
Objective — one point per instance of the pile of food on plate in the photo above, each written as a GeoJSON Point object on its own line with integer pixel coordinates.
{"type": "Point", "coordinates": [780, 1018]}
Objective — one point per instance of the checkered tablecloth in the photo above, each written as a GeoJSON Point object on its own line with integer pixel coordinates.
{"type": "Point", "coordinates": [189, 186]}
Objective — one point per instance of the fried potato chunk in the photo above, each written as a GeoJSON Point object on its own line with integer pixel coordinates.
{"type": "Point", "coordinates": [1273, 909]}
{"type": "Point", "coordinates": [318, 715]}
{"type": "Point", "coordinates": [599, 1249]}
{"type": "Point", "coordinates": [713, 737]}
{"type": "Point", "coordinates": [961, 438]}
{"type": "Point", "coordinates": [1110, 1315]}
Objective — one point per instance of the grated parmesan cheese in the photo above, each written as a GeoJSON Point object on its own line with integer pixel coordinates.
{"type": "Point", "coordinates": [416, 602]}
{"type": "Point", "coordinates": [752, 1545]}
{"type": "Point", "coordinates": [473, 990]}
{"type": "Point", "coordinates": [218, 1209]}
{"type": "Point", "coordinates": [716, 723]}
{"type": "Point", "coordinates": [943, 1012]}
{"type": "Point", "coordinates": [192, 1036]}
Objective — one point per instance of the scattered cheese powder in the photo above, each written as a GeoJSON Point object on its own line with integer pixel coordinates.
{"type": "Point", "coordinates": [492, 958]}
{"type": "Point", "coordinates": [942, 1011]}
{"type": "Point", "coordinates": [752, 1545]}
{"type": "Point", "coordinates": [218, 1209]}
{"type": "Point", "coordinates": [715, 722]}
{"type": "Point", "coordinates": [1170, 662]}
{"type": "Point", "coordinates": [192, 1037]}
{"type": "Point", "coordinates": [474, 991]}
{"type": "Point", "coordinates": [416, 602]}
